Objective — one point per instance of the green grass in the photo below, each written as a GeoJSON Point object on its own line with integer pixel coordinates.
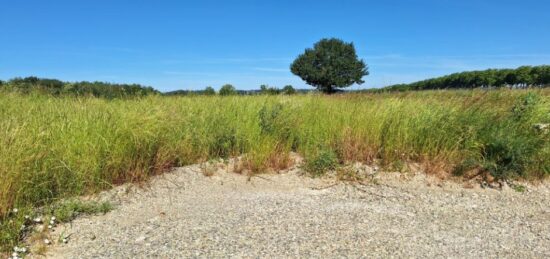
{"type": "Point", "coordinates": [67, 210]}
{"type": "Point", "coordinates": [13, 229]}
{"type": "Point", "coordinates": [55, 148]}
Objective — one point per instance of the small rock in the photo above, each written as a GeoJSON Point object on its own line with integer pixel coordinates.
{"type": "Point", "coordinates": [65, 240]}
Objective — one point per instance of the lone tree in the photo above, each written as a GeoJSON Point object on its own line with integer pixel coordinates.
{"type": "Point", "coordinates": [331, 64]}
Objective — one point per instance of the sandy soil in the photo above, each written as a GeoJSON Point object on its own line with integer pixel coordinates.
{"type": "Point", "coordinates": [186, 214]}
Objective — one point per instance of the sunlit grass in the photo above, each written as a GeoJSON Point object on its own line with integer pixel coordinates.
{"type": "Point", "coordinates": [53, 148]}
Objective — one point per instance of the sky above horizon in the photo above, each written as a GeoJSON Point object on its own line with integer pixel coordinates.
{"type": "Point", "coordinates": [174, 45]}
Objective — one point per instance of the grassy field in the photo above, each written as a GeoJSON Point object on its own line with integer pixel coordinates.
{"type": "Point", "coordinates": [53, 148]}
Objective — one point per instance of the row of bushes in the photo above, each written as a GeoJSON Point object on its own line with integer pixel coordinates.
{"type": "Point", "coordinates": [522, 77]}
{"type": "Point", "coordinates": [56, 88]}
{"type": "Point", "coordinates": [229, 89]}
{"type": "Point", "coordinates": [109, 90]}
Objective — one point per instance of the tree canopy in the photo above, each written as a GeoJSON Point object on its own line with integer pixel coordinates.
{"type": "Point", "coordinates": [209, 91]}
{"type": "Point", "coordinates": [228, 89]}
{"type": "Point", "coordinates": [289, 89]}
{"type": "Point", "coordinates": [521, 77]}
{"type": "Point", "coordinates": [330, 64]}
{"type": "Point", "coordinates": [83, 88]}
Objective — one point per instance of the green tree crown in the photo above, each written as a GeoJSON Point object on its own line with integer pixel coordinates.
{"type": "Point", "coordinates": [331, 63]}
{"type": "Point", "coordinates": [227, 89]}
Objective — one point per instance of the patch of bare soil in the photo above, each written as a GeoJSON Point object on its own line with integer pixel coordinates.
{"type": "Point", "coordinates": [209, 211]}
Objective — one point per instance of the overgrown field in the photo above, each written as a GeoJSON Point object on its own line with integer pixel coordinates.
{"type": "Point", "coordinates": [52, 148]}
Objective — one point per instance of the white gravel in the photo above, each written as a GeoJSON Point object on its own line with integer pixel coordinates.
{"type": "Point", "coordinates": [185, 214]}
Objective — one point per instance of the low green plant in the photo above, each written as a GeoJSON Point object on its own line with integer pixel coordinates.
{"type": "Point", "coordinates": [322, 162]}
{"type": "Point", "coordinates": [519, 188]}
{"type": "Point", "coordinates": [13, 230]}
{"type": "Point", "coordinates": [68, 210]}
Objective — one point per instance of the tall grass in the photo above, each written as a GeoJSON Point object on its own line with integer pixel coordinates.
{"type": "Point", "coordinates": [52, 148]}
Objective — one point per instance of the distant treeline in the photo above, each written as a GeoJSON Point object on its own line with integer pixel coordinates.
{"type": "Point", "coordinates": [57, 88]}
{"type": "Point", "coordinates": [228, 89]}
{"type": "Point", "coordinates": [522, 77]}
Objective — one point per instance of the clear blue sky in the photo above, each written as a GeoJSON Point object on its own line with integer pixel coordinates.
{"type": "Point", "coordinates": [191, 44]}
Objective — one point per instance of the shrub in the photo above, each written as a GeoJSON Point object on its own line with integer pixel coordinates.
{"type": "Point", "coordinates": [209, 91]}
{"type": "Point", "coordinates": [288, 90]}
{"type": "Point", "coordinates": [265, 89]}
{"type": "Point", "coordinates": [228, 89]}
{"type": "Point", "coordinates": [507, 148]}
{"type": "Point", "coordinates": [322, 162]}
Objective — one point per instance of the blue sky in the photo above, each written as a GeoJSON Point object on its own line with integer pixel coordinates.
{"type": "Point", "coordinates": [191, 44]}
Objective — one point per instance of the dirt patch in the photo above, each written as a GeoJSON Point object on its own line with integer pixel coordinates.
{"type": "Point", "coordinates": [190, 213]}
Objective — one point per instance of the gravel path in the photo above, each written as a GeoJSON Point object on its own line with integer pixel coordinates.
{"type": "Point", "coordinates": [185, 214]}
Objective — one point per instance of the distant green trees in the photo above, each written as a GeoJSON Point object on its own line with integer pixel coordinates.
{"type": "Point", "coordinates": [227, 89]}
{"type": "Point", "coordinates": [271, 90]}
{"type": "Point", "coordinates": [521, 77]}
{"type": "Point", "coordinates": [209, 91]}
{"type": "Point", "coordinates": [83, 88]}
{"type": "Point", "coordinates": [330, 64]}
{"type": "Point", "coordinates": [288, 90]}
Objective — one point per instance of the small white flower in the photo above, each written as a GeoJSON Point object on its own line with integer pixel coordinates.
{"type": "Point", "coordinates": [50, 226]}
{"type": "Point", "coordinates": [53, 218]}
{"type": "Point", "coordinates": [47, 241]}
{"type": "Point", "coordinates": [14, 254]}
{"type": "Point", "coordinates": [19, 250]}
{"type": "Point", "coordinates": [23, 227]}
{"type": "Point", "coordinates": [38, 220]}
{"type": "Point", "coordinates": [15, 210]}
{"type": "Point", "coordinates": [27, 217]}
{"type": "Point", "coordinates": [65, 240]}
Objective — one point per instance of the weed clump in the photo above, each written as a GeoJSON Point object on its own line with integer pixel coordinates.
{"type": "Point", "coordinates": [66, 211]}
{"type": "Point", "coordinates": [511, 147]}
{"type": "Point", "coordinates": [322, 162]}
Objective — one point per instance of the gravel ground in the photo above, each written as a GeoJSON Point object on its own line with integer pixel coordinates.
{"type": "Point", "coordinates": [186, 214]}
